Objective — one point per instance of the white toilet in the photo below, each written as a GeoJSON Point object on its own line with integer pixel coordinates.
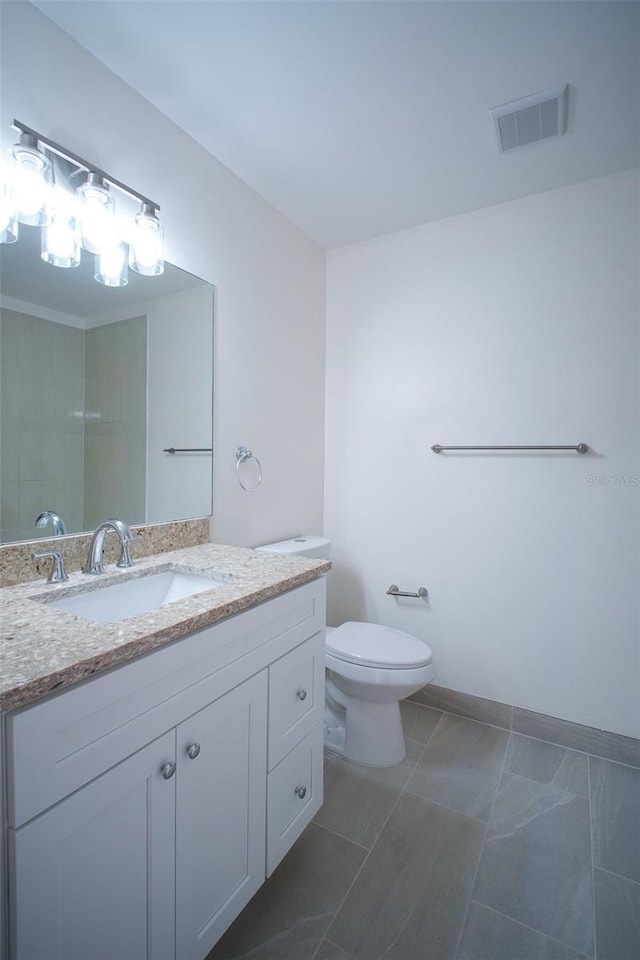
{"type": "Point", "coordinates": [369, 669]}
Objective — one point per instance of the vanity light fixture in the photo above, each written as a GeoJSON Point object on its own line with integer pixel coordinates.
{"type": "Point", "coordinates": [60, 242]}
{"type": "Point", "coordinates": [41, 190]}
{"type": "Point", "coordinates": [111, 264]}
{"type": "Point", "coordinates": [146, 243]}
{"type": "Point", "coordinates": [30, 179]}
{"type": "Point", "coordinates": [95, 212]}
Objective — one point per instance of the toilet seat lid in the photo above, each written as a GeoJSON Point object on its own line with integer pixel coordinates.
{"type": "Point", "coordinates": [374, 645]}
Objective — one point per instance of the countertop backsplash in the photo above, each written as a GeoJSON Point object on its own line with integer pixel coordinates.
{"type": "Point", "coordinates": [18, 566]}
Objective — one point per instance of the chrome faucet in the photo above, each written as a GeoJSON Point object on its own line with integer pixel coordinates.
{"type": "Point", "coordinates": [56, 521]}
{"type": "Point", "coordinates": [94, 562]}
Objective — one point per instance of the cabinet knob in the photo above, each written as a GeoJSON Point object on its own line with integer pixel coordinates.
{"type": "Point", "coordinates": [168, 769]}
{"type": "Point", "coordinates": [193, 750]}
{"type": "Point", "coordinates": [301, 694]}
{"type": "Point", "coordinates": [300, 792]}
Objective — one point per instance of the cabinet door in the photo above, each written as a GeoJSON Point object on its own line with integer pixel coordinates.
{"type": "Point", "coordinates": [94, 875]}
{"type": "Point", "coordinates": [220, 823]}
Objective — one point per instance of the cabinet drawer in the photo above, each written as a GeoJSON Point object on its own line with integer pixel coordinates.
{"type": "Point", "coordinates": [296, 696]}
{"type": "Point", "coordinates": [294, 795]}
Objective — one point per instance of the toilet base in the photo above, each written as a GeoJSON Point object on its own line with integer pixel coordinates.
{"type": "Point", "coordinates": [373, 735]}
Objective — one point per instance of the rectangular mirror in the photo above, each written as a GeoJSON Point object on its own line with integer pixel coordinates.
{"type": "Point", "coordinates": [96, 383]}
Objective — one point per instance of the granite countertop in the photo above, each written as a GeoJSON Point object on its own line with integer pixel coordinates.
{"type": "Point", "coordinates": [44, 649]}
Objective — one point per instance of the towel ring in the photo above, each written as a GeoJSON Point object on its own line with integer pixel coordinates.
{"type": "Point", "coordinates": [242, 456]}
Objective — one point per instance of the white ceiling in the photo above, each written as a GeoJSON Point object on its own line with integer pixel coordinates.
{"type": "Point", "coordinates": [357, 119]}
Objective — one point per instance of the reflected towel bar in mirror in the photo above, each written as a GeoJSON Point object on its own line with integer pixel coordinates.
{"type": "Point", "coordinates": [187, 450]}
{"type": "Point", "coordinates": [578, 447]}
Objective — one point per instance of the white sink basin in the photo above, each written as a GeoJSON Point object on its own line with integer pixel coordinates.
{"type": "Point", "coordinates": [140, 595]}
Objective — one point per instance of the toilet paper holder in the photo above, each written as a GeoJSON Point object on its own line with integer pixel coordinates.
{"type": "Point", "coordinates": [394, 591]}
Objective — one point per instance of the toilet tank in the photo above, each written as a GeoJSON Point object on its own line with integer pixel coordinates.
{"type": "Point", "coordinates": [312, 547]}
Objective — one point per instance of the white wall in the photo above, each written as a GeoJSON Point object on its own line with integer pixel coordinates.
{"type": "Point", "coordinates": [514, 324]}
{"type": "Point", "coordinates": [269, 277]}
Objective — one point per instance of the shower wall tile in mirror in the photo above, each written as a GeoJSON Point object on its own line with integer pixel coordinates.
{"type": "Point", "coordinates": [115, 422]}
{"type": "Point", "coordinates": [93, 385]}
{"type": "Point", "coordinates": [41, 422]}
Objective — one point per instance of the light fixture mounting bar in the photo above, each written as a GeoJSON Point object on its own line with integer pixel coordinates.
{"type": "Point", "coordinates": [84, 164]}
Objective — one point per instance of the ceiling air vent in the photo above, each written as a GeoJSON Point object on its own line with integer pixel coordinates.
{"type": "Point", "coordinates": [537, 117]}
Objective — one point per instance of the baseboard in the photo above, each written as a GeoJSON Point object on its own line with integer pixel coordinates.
{"type": "Point", "coordinates": [576, 736]}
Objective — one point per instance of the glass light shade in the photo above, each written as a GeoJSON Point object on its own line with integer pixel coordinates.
{"type": "Point", "coordinates": [95, 213]}
{"type": "Point", "coordinates": [30, 181]}
{"type": "Point", "coordinates": [60, 244]}
{"type": "Point", "coordinates": [146, 249]}
{"type": "Point", "coordinates": [112, 265]}
{"type": "Point", "coordinates": [8, 218]}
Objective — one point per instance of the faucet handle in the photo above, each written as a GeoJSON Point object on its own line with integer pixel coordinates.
{"type": "Point", "coordinates": [125, 556]}
{"type": "Point", "coordinates": [58, 573]}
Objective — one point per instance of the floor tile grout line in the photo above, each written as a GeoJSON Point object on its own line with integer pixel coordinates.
{"type": "Point", "coordinates": [613, 873]}
{"type": "Point", "coordinates": [433, 732]}
{"type": "Point", "coordinates": [325, 940]}
{"type": "Point", "coordinates": [368, 850]}
{"type": "Point", "coordinates": [341, 835]}
{"type": "Point", "coordinates": [323, 937]}
{"type": "Point", "coordinates": [583, 753]}
{"type": "Point", "coordinates": [593, 878]}
{"type": "Point", "coordinates": [589, 753]}
{"type": "Point", "coordinates": [473, 883]}
{"type": "Point", "coordinates": [618, 763]}
{"type": "Point", "coordinates": [506, 916]}
{"type": "Point", "coordinates": [422, 753]}
{"type": "Point", "coordinates": [444, 806]}
{"type": "Point", "coordinates": [362, 865]}
{"type": "Point", "coordinates": [320, 942]}
{"type": "Point", "coordinates": [401, 792]}
{"type": "Point", "coordinates": [541, 783]}
{"type": "Point", "coordinates": [484, 840]}
{"type": "Point", "coordinates": [427, 742]}
{"type": "Point", "coordinates": [552, 743]}
{"type": "Point", "coordinates": [461, 716]}
{"type": "Point", "coordinates": [401, 789]}
{"type": "Point", "coordinates": [431, 735]}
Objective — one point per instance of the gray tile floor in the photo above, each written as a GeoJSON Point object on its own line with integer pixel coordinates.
{"type": "Point", "coordinates": [481, 845]}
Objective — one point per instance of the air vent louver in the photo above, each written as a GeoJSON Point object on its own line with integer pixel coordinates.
{"type": "Point", "coordinates": [533, 118]}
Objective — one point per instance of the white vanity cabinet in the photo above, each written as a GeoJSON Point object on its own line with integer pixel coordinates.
{"type": "Point", "coordinates": [146, 806]}
{"type": "Point", "coordinates": [93, 875]}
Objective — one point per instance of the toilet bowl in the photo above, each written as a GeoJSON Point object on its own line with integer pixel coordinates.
{"type": "Point", "coordinates": [369, 669]}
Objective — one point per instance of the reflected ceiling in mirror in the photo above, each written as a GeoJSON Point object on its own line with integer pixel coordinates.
{"type": "Point", "coordinates": [95, 382]}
